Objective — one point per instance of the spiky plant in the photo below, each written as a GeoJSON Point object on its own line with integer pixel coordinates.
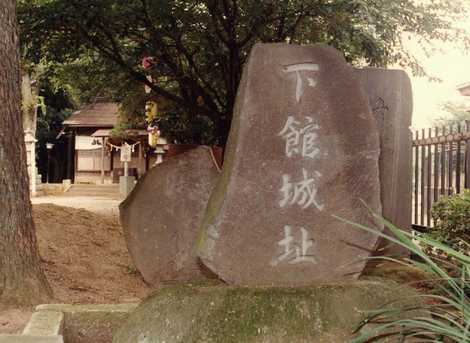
{"type": "Point", "coordinates": [444, 315]}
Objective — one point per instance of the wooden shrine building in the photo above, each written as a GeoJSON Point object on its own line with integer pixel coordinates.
{"type": "Point", "coordinates": [93, 153]}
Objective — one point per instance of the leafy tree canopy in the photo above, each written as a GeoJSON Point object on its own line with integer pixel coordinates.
{"type": "Point", "coordinates": [199, 46]}
{"type": "Point", "coordinates": [456, 113]}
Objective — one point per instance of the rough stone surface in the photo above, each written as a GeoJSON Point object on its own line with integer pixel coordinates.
{"type": "Point", "coordinates": [162, 215]}
{"type": "Point", "coordinates": [303, 147]}
{"type": "Point", "coordinates": [109, 308]}
{"type": "Point", "coordinates": [30, 339]}
{"type": "Point", "coordinates": [45, 323]}
{"type": "Point", "coordinates": [391, 100]}
{"type": "Point", "coordinates": [96, 327]}
{"type": "Point", "coordinates": [90, 323]}
{"type": "Point", "coordinates": [214, 314]}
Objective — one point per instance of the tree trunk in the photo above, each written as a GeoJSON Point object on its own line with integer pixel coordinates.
{"type": "Point", "coordinates": [22, 280]}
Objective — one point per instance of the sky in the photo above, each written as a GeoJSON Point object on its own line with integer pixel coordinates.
{"type": "Point", "coordinates": [452, 66]}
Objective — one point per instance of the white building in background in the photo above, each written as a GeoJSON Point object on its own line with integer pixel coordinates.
{"type": "Point", "coordinates": [464, 89]}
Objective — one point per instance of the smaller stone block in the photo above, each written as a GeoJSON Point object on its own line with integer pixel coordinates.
{"type": "Point", "coordinates": [66, 185]}
{"type": "Point", "coordinates": [90, 323]}
{"type": "Point", "coordinates": [162, 216]}
{"type": "Point", "coordinates": [45, 323]}
{"type": "Point", "coordinates": [30, 339]}
{"type": "Point", "coordinates": [391, 100]}
{"type": "Point", "coordinates": [67, 308]}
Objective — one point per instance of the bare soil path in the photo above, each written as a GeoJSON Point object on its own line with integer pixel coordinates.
{"type": "Point", "coordinates": [103, 199]}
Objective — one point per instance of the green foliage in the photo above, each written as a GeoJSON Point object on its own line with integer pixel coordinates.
{"type": "Point", "coordinates": [119, 130]}
{"type": "Point", "coordinates": [445, 316]}
{"type": "Point", "coordinates": [89, 76]}
{"type": "Point", "coordinates": [199, 46]}
{"type": "Point", "coordinates": [457, 113]}
{"type": "Point", "coordinates": [185, 129]}
{"type": "Point", "coordinates": [452, 220]}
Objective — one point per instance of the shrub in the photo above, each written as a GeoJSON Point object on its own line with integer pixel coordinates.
{"type": "Point", "coordinates": [445, 313]}
{"type": "Point", "coordinates": [452, 220]}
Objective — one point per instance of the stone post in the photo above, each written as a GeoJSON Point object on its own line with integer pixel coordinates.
{"type": "Point", "coordinates": [102, 160]}
{"type": "Point", "coordinates": [30, 143]}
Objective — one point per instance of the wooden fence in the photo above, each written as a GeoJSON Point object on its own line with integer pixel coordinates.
{"type": "Point", "coordinates": [441, 167]}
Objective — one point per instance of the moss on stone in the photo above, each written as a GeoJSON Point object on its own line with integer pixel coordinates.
{"type": "Point", "coordinates": [96, 327]}
{"type": "Point", "coordinates": [323, 313]}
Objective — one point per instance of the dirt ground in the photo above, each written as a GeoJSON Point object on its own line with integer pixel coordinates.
{"type": "Point", "coordinates": [12, 321]}
{"type": "Point", "coordinates": [85, 259]}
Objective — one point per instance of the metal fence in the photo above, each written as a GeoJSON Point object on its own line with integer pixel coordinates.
{"type": "Point", "coordinates": [441, 167]}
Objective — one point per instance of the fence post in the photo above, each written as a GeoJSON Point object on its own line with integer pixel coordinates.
{"type": "Point", "coordinates": [467, 156]}
{"type": "Point", "coordinates": [428, 183]}
{"type": "Point", "coordinates": [423, 175]}
{"type": "Point", "coordinates": [443, 164]}
{"type": "Point", "coordinates": [436, 166]}
{"type": "Point", "coordinates": [451, 162]}
{"type": "Point", "coordinates": [458, 160]}
{"type": "Point", "coordinates": [416, 179]}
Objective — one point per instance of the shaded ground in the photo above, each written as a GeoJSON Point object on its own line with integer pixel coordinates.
{"type": "Point", "coordinates": [85, 256]}
{"type": "Point", "coordinates": [14, 320]}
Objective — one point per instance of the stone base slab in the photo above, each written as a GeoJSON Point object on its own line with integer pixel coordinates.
{"type": "Point", "coordinates": [323, 313]}
{"type": "Point", "coordinates": [30, 339]}
{"type": "Point", "coordinates": [59, 323]}
{"type": "Point", "coordinates": [45, 323]}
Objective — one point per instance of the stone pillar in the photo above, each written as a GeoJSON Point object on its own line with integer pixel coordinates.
{"type": "Point", "coordinates": [32, 174]}
{"type": "Point", "coordinates": [141, 159]}
{"type": "Point", "coordinates": [30, 143]}
{"type": "Point", "coordinates": [70, 156]}
{"type": "Point", "coordinates": [102, 160]}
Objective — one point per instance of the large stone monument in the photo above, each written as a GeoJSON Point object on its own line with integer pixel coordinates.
{"type": "Point", "coordinates": [303, 150]}
{"type": "Point", "coordinates": [303, 147]}
{"type": "Point", "coordinates": [161, 216]}
{"type": "Point", "coordinates": [390, 98]}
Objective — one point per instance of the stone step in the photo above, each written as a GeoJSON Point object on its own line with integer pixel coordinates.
{"type": "Point", "coordinates": [87, 186]}
{"type": "Point", "coordinates": [30, 339]}
{"type": "Point", "coordinates": [45, 323]}
{"type": "Point", "coordinates": [93, 190]}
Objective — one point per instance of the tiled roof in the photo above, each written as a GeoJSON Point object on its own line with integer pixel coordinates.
{"type": "Point", "coordinates": [130, 132]}
{"type": "Point", "coordinates": [98, 114]}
